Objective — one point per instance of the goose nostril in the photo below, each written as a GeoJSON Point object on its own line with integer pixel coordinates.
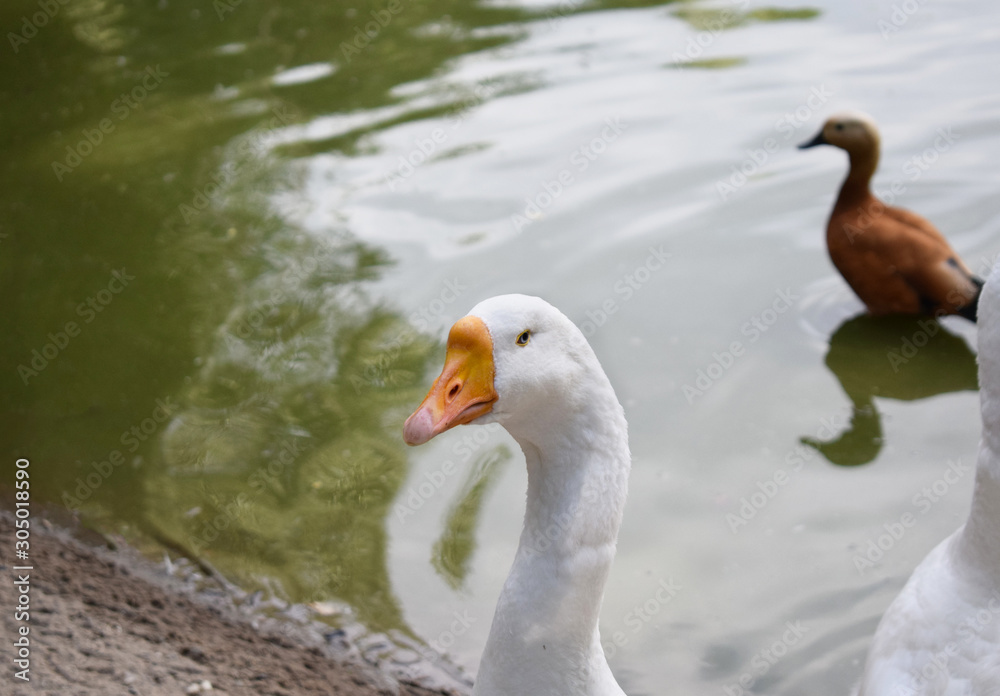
{"type": "Point", "coordinates": [453, 392]}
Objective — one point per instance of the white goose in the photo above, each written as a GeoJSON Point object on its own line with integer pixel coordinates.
{"type": "Point", "coordinates": [518, 361]}
{"type": "Point", "coordinates": [941, 635]}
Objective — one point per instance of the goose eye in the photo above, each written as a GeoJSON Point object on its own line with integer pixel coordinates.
{"type": "Point", "coordinates": [839, 126]}
{"type": "Point", "coordinates": [523, 339]}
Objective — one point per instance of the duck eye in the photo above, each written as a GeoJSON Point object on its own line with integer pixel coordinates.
{"type": "Point", "coordinates": [523, 339]}
{"type": "Point", "coordinates": [839, 126]}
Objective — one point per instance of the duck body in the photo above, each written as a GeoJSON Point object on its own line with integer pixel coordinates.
{"type": "Point", "coordinates": [517, 361]}
{"type": "Point", "coordinates": [895, 260]}
{"type": "Point", "coordinates": [941, 635]}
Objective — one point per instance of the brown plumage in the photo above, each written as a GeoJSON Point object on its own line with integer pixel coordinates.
{"type": "Point", "coordinates": [895, 261]}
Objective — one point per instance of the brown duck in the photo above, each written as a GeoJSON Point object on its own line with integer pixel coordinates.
{"type": "Point", "coordinates": [895, 261]}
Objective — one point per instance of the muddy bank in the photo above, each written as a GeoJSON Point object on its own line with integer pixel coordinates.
{"type": "Point", "coordinates": [107, 621]}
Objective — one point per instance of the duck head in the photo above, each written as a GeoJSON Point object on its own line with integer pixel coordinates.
{"type": "Point", "coordinates": [852, 131]}
{"type": "Point", "coordinates": [513, 359]}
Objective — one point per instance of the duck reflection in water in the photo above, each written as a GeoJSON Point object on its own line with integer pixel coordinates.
{"type": "Point", "coordinates": [891, 357]}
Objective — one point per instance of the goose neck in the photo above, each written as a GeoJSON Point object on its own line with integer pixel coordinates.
{"type": "Point", "coordinates": [979, 541]}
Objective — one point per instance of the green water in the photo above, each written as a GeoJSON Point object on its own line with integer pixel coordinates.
{"type": "Point", "coordinates": [233, 235]}
{"type": "Point", "coordinates": [240, 393]}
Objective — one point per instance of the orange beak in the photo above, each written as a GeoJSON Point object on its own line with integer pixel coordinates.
{"type": "Point", "coordinates": [464, 390]}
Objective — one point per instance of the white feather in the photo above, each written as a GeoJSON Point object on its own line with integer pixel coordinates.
{"type": "Point", "coordinates": [941, 635]}
{"type": "Point", "coordinates": [558, 404]}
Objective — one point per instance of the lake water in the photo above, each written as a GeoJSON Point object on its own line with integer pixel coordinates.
{"type": "Point", "coordinates": [260, 222]}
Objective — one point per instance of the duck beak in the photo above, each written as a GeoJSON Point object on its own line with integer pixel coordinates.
{"type": "Point", "coordinates": [464, 390]}
{"type": "Point", "coordinates": [818, 140]}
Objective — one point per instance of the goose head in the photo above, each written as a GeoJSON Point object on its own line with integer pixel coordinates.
{"type": "Point", "coordinates": [514, 360]}
{"type": "Point", "coordinates": [852, 131]}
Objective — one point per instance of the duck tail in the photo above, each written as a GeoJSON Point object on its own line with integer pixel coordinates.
{"type": "Point", "coordinates": [970, 310]}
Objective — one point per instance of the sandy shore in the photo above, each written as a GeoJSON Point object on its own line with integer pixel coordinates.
{"type": "Point", "coordinates": [105, 622]}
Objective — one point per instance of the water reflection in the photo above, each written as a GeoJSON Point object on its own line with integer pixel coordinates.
{"type": "Point", "coordinates": [282, 461]}
{"type": "Point", "coordinates": [453, 550]}
{"type": "Point", "coordinates": [899, 357]}
{"type": "Point", "coordinates": [719, 18]}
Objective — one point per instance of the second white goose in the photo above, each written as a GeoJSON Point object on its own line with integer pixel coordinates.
{"type": "Point", "coordinates": [941, 635]}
